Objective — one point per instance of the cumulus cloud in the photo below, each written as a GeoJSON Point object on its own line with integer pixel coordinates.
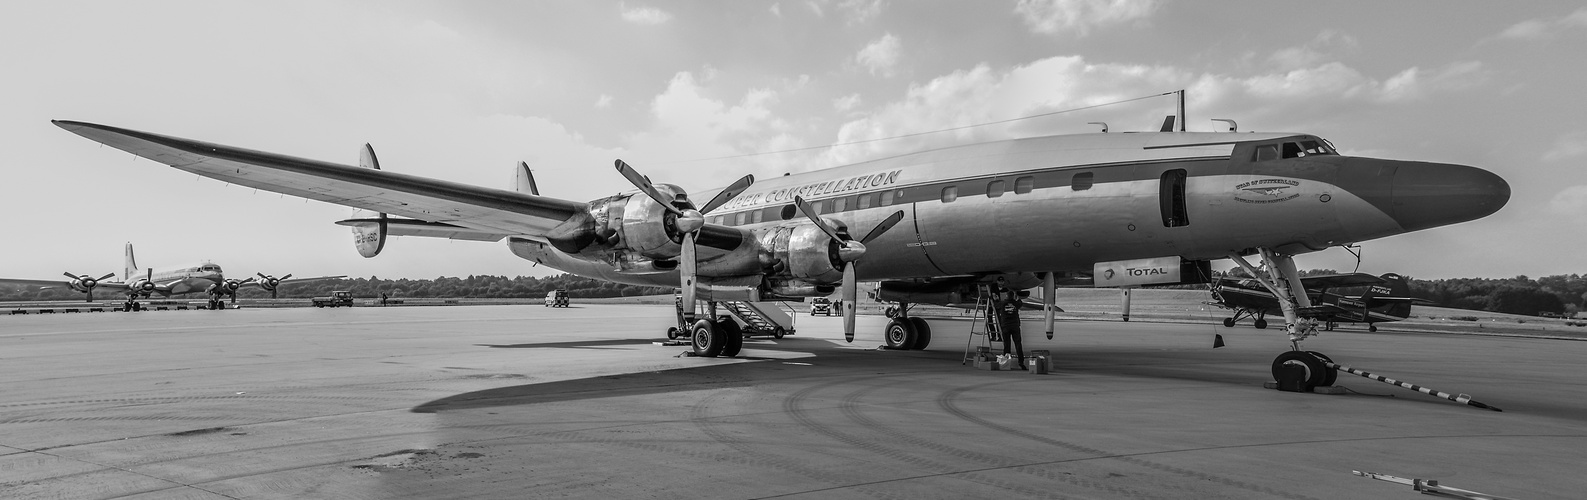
{"type": "Point", "coordinates": [846, 103]}
{"type": "Point", "coordinates": [1079, 17]}
{"type": "Point", "coordinates": [861, 11]}
{"type": "Point", "coordinates": [603, 102]}
{"type": "Point", "coordinates": [1570, 145]}
{"type": "Point", "coordinates": [776, 9]}
{"type": "Point", "coordinates": [881, 56]}
{"type": "Point", "coordinates": [1570, 201]}
{"type": "Point", "coordinates": [1313, 52]}
{"type": "Point", "coordinates": [690, 124]}
{"type": "Point", "coordinates": [1537, 29]}
{"type": "Point", "coordinates": [647, 16]}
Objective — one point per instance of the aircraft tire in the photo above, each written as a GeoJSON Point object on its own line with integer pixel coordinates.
{"type": "Point", "coordinates": [922, 333]}
{"type": "Point", "coordinates": [707, 340]}
{"type": "Point", "coordinates": [1316, 373]}
{"type": "Point", "coordinates": [672, 333]}
{"type": "Point", "coordinates": [1228, 322]}
{"type": "Point", "coordinates": [1260, 324]}
{"type": "Point", "coordinates": [732, 336]}
{"type": "Point", "coordinates": [900, 334]}
{"type": "Point", "coordinates": [1330, 375]}
{"type": "Point", "coordinates": [1372, 328]}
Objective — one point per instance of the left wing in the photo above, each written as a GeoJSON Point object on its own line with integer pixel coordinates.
{"type": "Point", "coordinates": [479, 209]}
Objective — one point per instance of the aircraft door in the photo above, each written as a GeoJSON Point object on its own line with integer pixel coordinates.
{"type": "Point", "coordinates": [898, 252]}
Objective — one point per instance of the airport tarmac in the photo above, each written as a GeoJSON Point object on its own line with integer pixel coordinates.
{"type": "Point", "coordinates": [532, 402]}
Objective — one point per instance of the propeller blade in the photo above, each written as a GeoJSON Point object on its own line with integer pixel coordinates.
{"type": "Point", "coordinates": [639, 181]}
{"type": "Point", "coordinates": [262, 276]}
{"type": "Point", "coordinates": [810, 213]}
{"type": "Point", "coordinates": [272, 294]}
{"type": "Point", "coordinates": [234, 298]}
{"type": "Point", "coordinates": [850, 291]}
{"type": "Point", "coordinates": [70, 275]}
{"type": "Point", "coordinates": [728, 193]}
{"type": "Point", "coordinates": [90, 294]}
{"type": "Point", "coordinates": [288, 276]}
{"type": "Point", "coordinates": [686, 276]}
{"type": "Point", "coordinates": [106, 277]}
{"type": "Point", "coordinates": [886, 224]}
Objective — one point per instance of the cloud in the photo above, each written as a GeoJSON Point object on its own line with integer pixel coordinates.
{"type": "Point", "coordinates": [1541, 28]}
{"type": "Point", "coordinates": [776, 9]}
{"type": "Point", "coordinates": [1570, 145]}
{"type": "Point", "coordinates": [1570, 201]}
{"type": "Point", "coordinates": [646, 16]}
{"type": "Point", "coordinates": [861, 11]}
{"type": "Point", "coordinates": [689, 125]}
{"type": "Point", "coordinates": [1080, 16]}
{"type": "Point", "coordinates": [881, 56]}
{"type": "Point", "coordinates": [1314, 51]}
{"type": "Point", "coordinates": [846, 103]}
{"type": "Point", "coordinates": [603, 102]}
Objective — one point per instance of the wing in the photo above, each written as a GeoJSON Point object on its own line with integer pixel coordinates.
{"type": "Point", "coordinates": [57, 283]}
{"type": "Point", "coordinates": [290, 281]}
{"type": "Point", "coordinates": [482, 210]}
{"type": "Point", "coordinates": [1340, 280]}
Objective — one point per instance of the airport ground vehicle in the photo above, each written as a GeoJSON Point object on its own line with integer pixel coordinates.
{"type": "Point", "coordinates": [820, 305]}
{"type": "Point", "coordinates": [337, 298]}
{"type": "Point", "coordinates": [557, 298]}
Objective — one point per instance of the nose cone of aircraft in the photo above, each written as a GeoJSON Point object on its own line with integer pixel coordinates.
{"type": "Point", "coordinates": [1429, 195]}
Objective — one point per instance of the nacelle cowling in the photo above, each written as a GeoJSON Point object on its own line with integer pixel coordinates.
{"type": "Point", "coordinates": [805, 253]}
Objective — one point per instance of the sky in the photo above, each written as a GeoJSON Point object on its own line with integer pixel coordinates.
{"type": "Point", "coordinates": [463, 90]}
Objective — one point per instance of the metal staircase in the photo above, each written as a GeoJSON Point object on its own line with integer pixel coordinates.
{"type": "Point", "coordinates": [761, 318]}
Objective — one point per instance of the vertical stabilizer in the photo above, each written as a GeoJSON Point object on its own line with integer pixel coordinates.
{"type": "Point", "coordinates": [526, 180]}
{"type": "Point", "coordinates": [131, 269]}
{"type": "Point", "coordinates": [370, 237]}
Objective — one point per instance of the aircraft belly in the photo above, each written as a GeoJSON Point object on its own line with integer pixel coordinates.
{"type": "Point", "coordinates": [545, 255]}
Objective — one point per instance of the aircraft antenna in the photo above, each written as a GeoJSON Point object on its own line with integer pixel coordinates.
{"type": "Point", "coordinates": [1357, 253]}
{"type": "Point", "coordinates": [950, 129]}
{"type": "Point", "coordinates": [1182, 119]}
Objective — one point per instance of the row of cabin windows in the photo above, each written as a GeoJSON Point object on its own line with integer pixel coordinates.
{"type": "Point", "coordinates": [997, 188]}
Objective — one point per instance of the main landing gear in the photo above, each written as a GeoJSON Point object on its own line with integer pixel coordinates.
{"type": "Point", "coordinates": [1260, 318]}
{"type": "Point", "coordinates": [905, 332]}
{"type": "Point", "coordinates": [710, 338]}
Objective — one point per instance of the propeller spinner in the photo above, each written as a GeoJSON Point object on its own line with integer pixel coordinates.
{"type": "Point", "coordinates": [87, 283]}
{"type": "Point", "coordinates": [270, 283]}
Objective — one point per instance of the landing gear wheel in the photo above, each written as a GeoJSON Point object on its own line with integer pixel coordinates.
{"type": "Point", "coordinates": [126, 307]}
{"type": "Point", "coordinates": [1260, 324]}
{"type": "Point", "coordinates": [1329, 374]}
{"type": "Point", "coordinates": [891, 312]}
{"type": "Point", "coordinates": [1372, 328]}
{"type": "Point", "coordinates": [708, 341]}
{"type": "Point", "coordinates": [778, 332]}
{"type": "Point", "coordinates": [732, 335]}
{"type": "Point", "coordinates": [137, 306]}
{"type": "Point", "coordinates": [922, 333]}
{"type": "Point", "coordinates": [1316, 373]}
{"type": "Point", "coordinates": [672, 333]}
{"type": "Point", "coordinates": [1228, 322]}
{"type": "Point", "coordinates": [900, 334]}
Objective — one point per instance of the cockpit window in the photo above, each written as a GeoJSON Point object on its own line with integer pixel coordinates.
{"type": "Point", "coordinates": [1293, 149]}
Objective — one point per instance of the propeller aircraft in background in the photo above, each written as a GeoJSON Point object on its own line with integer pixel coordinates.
{"type": "Point", "coordinates": [938, 226]}
{"type": "Point", "coordinates": [136, 283]}
{"type": "Point", "coordinates": [1335, 298]}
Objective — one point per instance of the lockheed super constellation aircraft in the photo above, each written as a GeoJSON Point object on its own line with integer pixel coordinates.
{"type": "Point", "coordinates": [937, 225]}
{"type": "Point", "coordinates": [138, 282]}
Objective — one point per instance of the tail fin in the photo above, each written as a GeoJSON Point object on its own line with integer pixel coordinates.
{"type": "Point", "coordinates": [131, 270]}
{"type": "Point", "coordinates": [1397, 287]}
{"type": "Point", "coordinates": [526, 180]}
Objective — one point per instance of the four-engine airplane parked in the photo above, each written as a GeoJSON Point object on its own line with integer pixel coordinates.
{"type": "Point", "coordinates": [928, 224]}
{"type": "Point", "coordinates": [138, 283]}
{"type": "Point", "coordinates": [1335, 298]}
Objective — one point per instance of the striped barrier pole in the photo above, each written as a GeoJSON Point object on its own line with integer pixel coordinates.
{"type": "Point", "coordinates": [1462, 398]}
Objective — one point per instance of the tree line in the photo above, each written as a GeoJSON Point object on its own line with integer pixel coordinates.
{"type": "Point", "coordinates": [1563, 294]}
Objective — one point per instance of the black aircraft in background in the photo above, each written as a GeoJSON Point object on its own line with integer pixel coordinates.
{"type": "Point", "coordinates": [1335, 298]}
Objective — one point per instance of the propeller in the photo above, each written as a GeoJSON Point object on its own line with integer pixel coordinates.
{"type": "Point", "coordinates": [143, 286]}
{"type": "Point", "coordinates": [232, 285]}
{"type": "Point", "coordinates": [849, 252]}
{"type": "Point", "coordinates": [87, 282]}
{"type": "Point", "coordinates": [684, 220]}
{"type": "Point", "coordinates": [269, 283]}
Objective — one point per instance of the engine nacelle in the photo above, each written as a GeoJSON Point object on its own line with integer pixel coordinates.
{"type": "Point", "coordinates": [809, 255]}
{"type": "Point", "coordinates": [797, 288]}
{"type": "Point", "coordinates": [649, 228]}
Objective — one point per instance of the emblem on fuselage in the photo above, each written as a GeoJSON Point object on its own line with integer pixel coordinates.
{"type": "Point", "coordinates": [1267, 191]}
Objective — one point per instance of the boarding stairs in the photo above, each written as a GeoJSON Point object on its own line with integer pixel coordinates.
{"type": "Point", "coordinates": [761, 318]}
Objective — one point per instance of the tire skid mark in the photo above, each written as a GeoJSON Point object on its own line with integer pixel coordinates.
{"type": "Point", "coordinates": [849, 406]}
{"type": "Point", "coordinates": [794, 407]}
{"type": "Point", "coordinates": [947, 402]}
{"type": "Point", "coordinates": [1000, 462]}
{"type": "Point", "coordinates": [712, 426]}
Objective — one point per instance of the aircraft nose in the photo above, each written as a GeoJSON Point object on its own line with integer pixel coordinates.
{"type": "Point", "coordinates": [1429, 195]}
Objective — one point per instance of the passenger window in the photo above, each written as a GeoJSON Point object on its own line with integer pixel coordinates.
{"type": "Point", "coordinates": [840, 204]}
{"type": "Point", "coordinates": [950, 193]}
{"type": "Point", "coordinates": [1024, 184]}
{"type": "Point", "coordinates": [1171, 197]}
{"type": "Point", "coordinates": [739, 219]}
{"type": "Point", "coordinates": [887, 199]}
{"type": "Point", "coordinates": [757, 216]}
{"type": "Point", "coordinates": [865, 201]}
{"type": "Point", "coordinates": [1266, 152]}
{"type": "Point", "coordinates": [1082, 181]}
{"type": "Point", "coordinates": [995, 189]}
{"type": "Point", "coordinates": [820, 207]}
